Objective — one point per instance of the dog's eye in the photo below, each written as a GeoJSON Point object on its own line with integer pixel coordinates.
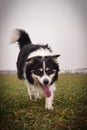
{"type": "Point", "coordinates": [37, 72]}
{"type": "Point", "coordinates": [50, 71]}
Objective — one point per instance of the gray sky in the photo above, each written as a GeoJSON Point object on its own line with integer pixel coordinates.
{"type": "Point", "coordinates": [61, 23]}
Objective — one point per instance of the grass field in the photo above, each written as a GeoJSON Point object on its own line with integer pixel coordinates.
{"type": "Point", "coordinates": [70, 105]}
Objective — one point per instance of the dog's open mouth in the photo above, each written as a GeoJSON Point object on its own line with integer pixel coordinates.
{"type": "Point", "coordinates": [46, 90]}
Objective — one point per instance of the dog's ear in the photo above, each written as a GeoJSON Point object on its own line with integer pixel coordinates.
{"type": "Point", "coordinates": [55, 56]}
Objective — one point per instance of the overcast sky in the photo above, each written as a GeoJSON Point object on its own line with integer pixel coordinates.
{"type": "Point", "coordinates": [60, 23]}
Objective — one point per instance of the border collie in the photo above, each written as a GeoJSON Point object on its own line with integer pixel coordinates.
{"type": "Point", "coordinates": [37, 65]}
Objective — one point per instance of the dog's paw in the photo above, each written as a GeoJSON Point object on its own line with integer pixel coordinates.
{"type": "Point", "coordinates": [49, 107]}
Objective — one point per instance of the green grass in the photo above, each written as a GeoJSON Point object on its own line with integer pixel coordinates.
{"type": "Point", "coordinates": [17, 112]}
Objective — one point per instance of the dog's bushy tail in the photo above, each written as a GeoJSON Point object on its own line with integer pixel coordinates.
{"type": "Point", "coordinates": [21, 37]}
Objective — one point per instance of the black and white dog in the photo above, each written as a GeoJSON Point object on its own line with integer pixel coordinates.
{"type": "Point", "coordinates": [37, 65]}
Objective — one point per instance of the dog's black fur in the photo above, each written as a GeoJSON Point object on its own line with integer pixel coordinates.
{"type": "Point", "coordinates": [37, 70]}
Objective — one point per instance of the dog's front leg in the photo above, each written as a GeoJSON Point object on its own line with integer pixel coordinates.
{"type": "Point", "coordinates": [49, 103]}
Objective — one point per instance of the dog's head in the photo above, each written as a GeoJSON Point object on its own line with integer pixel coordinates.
{"type": "Point", "coordinates": [43, 70]}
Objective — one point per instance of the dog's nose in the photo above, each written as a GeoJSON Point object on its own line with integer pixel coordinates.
{"type": "Point", "coordinates": [46, 81]}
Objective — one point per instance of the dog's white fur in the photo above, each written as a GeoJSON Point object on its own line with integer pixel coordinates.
{"type": "Point", "coordinates": [35, 91]}
{"type": "Point", "coordinates": [41, 52]}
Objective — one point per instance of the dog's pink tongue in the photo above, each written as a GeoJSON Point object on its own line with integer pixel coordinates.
{"type": "Point", "coordinates": [47, 92]}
